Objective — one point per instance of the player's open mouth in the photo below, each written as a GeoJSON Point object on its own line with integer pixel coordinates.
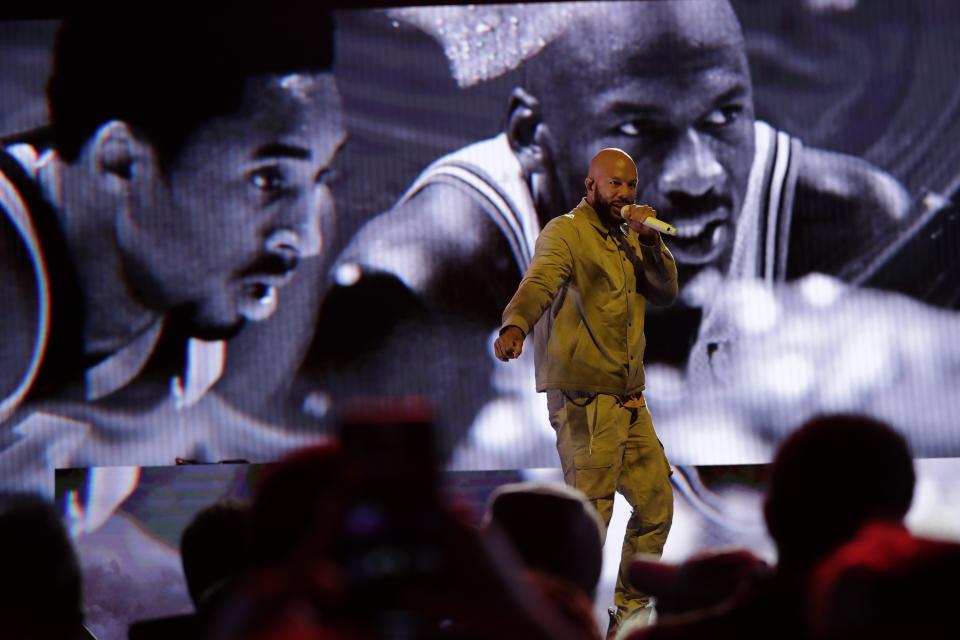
{"type": "Point", "coordinates": [701, 240]}
{"type": "Point", "coordinates": [259, 296]}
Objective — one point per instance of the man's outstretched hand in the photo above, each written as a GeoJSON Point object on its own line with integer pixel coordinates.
{"type": "Point", "coordinates": [509, 344]}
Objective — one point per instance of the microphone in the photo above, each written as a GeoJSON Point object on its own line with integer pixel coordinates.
{"type": "Point", "coordinates": [650, 222]}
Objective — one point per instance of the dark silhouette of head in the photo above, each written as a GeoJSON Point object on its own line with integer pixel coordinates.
{"type": "Point", "coordinates": [299, 506]}
{"type": "Point", "coordinates": [853, 588]}
{"type": "Point", "coordinates": [703, 580]}
{"type": "Point", "coordinates": [831, 476]}
{"type": "Point", "coordinates": [40, 580]}
{"type": "Point", "coordinates": [554, 529]}
{"type": "Point", "coordinates": [215, 548]}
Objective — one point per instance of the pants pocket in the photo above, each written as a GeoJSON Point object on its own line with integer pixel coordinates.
{"type": "Point", "coordinates": [595, 474]}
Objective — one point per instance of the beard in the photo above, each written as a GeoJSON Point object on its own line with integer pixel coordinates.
{"type": "Point", "coordinates": [604, 209]}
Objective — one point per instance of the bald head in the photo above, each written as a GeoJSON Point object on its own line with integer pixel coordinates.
{"type": "Point", "coordinates": [611, 182]}
{"type": "Point", "coordinates": [611, 162]}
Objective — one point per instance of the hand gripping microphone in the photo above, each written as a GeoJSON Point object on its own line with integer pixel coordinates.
{"type": "Point", "coordinates": [627, 212]}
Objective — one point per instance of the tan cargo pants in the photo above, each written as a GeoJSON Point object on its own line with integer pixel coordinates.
{"type": "Point", "coordinates": [608, 444]}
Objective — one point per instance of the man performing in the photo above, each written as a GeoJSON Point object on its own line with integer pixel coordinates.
{"type": "Point", "coordinates": [179, 187]}
{"type": "Point", "coordinates": [672, 87]}
{"type": "Point", "coordinates": [586, 290]}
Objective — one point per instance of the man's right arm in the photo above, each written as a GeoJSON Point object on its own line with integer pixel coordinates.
{"type": "Point", "coordinates": [551, 267]}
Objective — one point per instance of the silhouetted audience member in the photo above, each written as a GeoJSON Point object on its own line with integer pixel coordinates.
{"type": "Point", "coordinates": [574, 609]}
{"type": "Point", "coordinates": [830, 477]}
{"type": "Point", "coordinates": [215, 551]}
{"type": "Point", "coordinates": [886, 584]}
{"type": "Point", "coordinates": [40, 581]}
{"type": "Point", "coordinates": [296, 516]}
{"type": "Point", "coordinates": [565, 565]}
{"type": "Point", "coordinates": [572, 550]}
{"type": "Point", "coordinates": [299, 507]}
{"type": "Point", "coordinates": [705, 580]}
{"type": "Point", "coordinates": [350, 540]}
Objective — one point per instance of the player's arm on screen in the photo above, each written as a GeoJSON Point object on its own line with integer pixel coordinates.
{"type": "Point", "coordinates": [442, 246]}
{"type": "Point", "coordinates": [843, 208]}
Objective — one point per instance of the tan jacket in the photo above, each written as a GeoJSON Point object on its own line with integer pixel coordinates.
{"type": "Point", "coordinates": [586, 291]}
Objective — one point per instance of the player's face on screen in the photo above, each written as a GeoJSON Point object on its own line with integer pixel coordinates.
{"type": "Point", "coordinates": [242, 203]}
{"type": "Point", "coordinates": [678, 99]}
{"type": "Point", "coordinates": [692, 135]}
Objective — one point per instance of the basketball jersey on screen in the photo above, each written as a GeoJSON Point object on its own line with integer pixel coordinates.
{"type": "Point", "coordinates": [763, 225]}
{"type": "Point", "coordinates": [491, 172]}
{"type": "Point", "coordinates": [759, 251]}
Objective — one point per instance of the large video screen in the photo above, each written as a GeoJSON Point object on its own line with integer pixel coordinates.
{"type": "Point", "coordinates": [213, 236]}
